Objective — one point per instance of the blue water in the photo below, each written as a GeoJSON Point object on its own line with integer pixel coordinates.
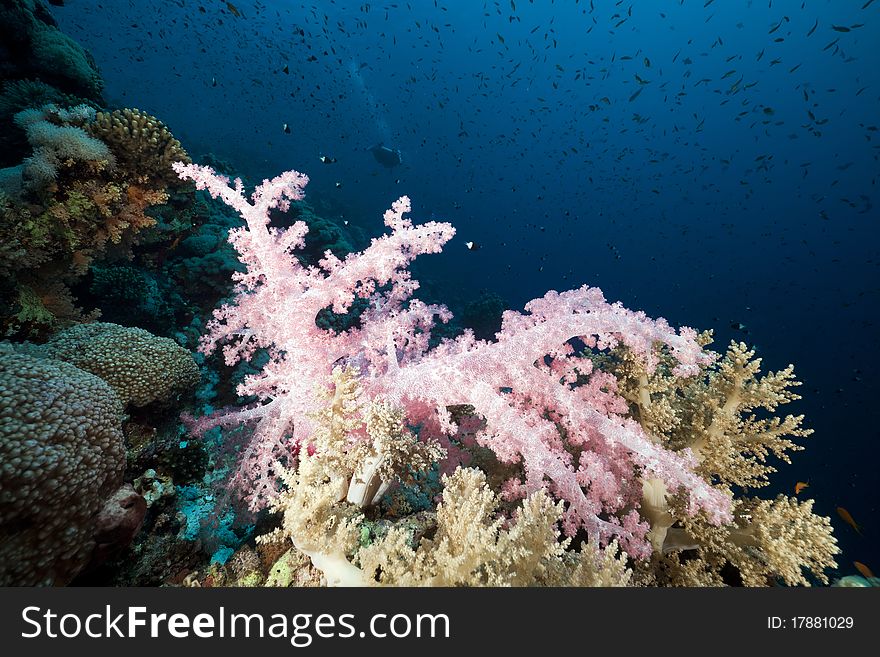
{"type": "Point", "coordinates": [730, 190]}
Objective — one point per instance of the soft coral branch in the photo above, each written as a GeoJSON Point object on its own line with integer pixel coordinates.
{"type": "Point", "coordinates": [573, 440]}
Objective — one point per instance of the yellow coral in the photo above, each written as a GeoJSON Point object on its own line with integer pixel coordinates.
{"type": "Point", "coordinates": [143, 146]}
{"type": "Point", "coordinates": [359, 448]}
{"type": "Point", "coordinates": [770, 538]}
{"type": "Point", "coordinates": [473, 546]}
{"type": "Point", "coordinates": [715, 414]}
{"type": "Point", "coordinates": [723, 431]}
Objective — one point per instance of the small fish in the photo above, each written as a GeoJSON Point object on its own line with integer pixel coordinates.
{"type": "Point", "coordinates": [864, 570]}
{"type": "Point", "coordinates": [472, 246]}
{"type": "Point", "coordinates": [840, 28]}
{"type": "Point", "coordinates": [213, 82]}
{"type": "Point", "coordinates": [739, 326]}
{"type": "Point", "coordinates": [285, 70]}
{"type": "Point", "coordinates": [327, 160]}
{"type": "Point", "coordinates": [813, 29]}
{"type": "Point", "coordinates": [233, 10]}
{"type": "Point", "coordinates": [848, 519]}
{"type": "Point", "coordinates": [338, 184]}
{"type": "Point", "coordinates": [799, 486]}
{"type": "Point", "coordinates": [286, 129]}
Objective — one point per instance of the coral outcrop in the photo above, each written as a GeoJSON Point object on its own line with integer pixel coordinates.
{"type": "Point", "coordinates": [141, 367]}
{"type": "Point", "coordinates": [39, 64]}
{"type": "Point", "coordinates": [81, 196]}
{"type": "Point", "coordinates": [61, 462]}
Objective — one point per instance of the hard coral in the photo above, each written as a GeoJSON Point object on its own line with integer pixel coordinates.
{"type": "Point", "coordinates": [65, 209]}
{"type": "Point", "coordinates": [143, 146]}
{"type": "Point", "coordinates": [141, 367]}
{"type": "Point", "coordinates": [78, 197]}
{"type": "Point", "coordinates": [31, 46]}
{"type": "Point", "coordinates": [62, 456]}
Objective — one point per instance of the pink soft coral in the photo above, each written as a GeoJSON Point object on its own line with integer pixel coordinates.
{"type": "Point", "coordinates": [523, 384]}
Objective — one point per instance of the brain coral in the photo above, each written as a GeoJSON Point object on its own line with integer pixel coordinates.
{"type": "Point", "coordinates": [62, 457]}
{"type": "Point", "coordinates": [141, 367]}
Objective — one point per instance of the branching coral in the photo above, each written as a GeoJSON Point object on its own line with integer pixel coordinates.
{"type": "Point", "coordinates": [474, 546]}
{"type": "Point", "coordinates": [631, 426]}
{"type": "Point", "coordinates": [143, 146]}
{"type": "Point", "coordinates": [354, 454]}
{"type": "Point", "coordinates": [716, 415]}
{"type": "Point", "coordinates": [768, 540]}
{"type": "Point", "coordinates": [573, 440]}
{"type": "Point", "coordinates": [729, 440]}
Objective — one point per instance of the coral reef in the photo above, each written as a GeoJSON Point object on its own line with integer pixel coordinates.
{"type": "Point", "coordinates": [85, 445]}
{"type": "Point", "coordinates": [139, 366]}
{"type": "Point", "coordinates": [475, 546]}
{"type": "Point", "coordinates": [134, 296]}
{"type": "Point", "coordinates": [38, 65]}
{"type": "Point", "coordinates": [75, 199]}
{"type": "Point", "coordinates": [582, 417]}
{"type": "Point", "coordinates": [62, 503]}
{"type": "Point", "coordinates": [143, 146]}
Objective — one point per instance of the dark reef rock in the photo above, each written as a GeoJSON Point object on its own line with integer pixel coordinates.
{"type": "Point", "coordinates": [38, 64]}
